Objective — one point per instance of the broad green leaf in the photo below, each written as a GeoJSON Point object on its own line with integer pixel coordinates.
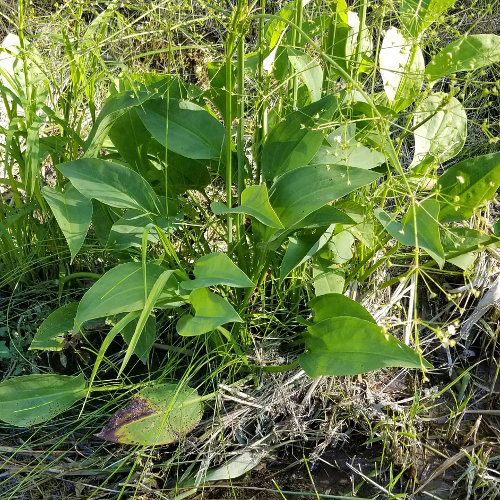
{"type": "Point", "coordinates": [122, 289]}
{"type": "Point", "coordinates": [211, 311]}
{"type": "Point", "coordinates": [466, 54]}
{"type": "Point", "coordinates": [146, 339]}
{"type": "Point", "coordinates": [302, 248]}
{"type": "Point", "coordinates": [443, 128]}
{"type": "Point", "coordinates": [293, 142]}
{"type": "Point", "coordinates": [134, 92]}
{"type": "Point", "coordinates": [114, 108]}
{"type": "Point", "coordinates": [302, 191]}
{"type": "Point", "coordinates": [73, 213]}
{"type": "Point", "coordinates": [217, 269]}
{"type": "Point", "coordinates": [327, 277]}
{"type": "Point", "coordinates": [232, 469]}
{"type": "Point", "coordinates": [340, 247]}
{"type": "Point", "coordinates": [157, 415]}
{"type": "Point", "coordinates": [50, 334]}
{"type": "Point", "coordinates": [275, 28]}
{"type": "Point", "coordinates": [344, 149]}
{"type": "Point", "coordinates": [335, 305]}
{"type": "Point", "coordinates": [112, 184]}
{"type": "Point", "coordinates": [419, 228]}
{"type": "Point", "coordinates": [402, 69]}
{"type": "Point", "coordinates": [336, 41]}
{"type": "Point", "coordinates": [308, 70]}
{"type": "Point", "coordinates": [185, 174]}
{"type": "Point", "coordinates": [146, 156]}
{"type": "Point", "coordinates": [152, 298]}
{"type": "Point", "coordinates": [364, 232]}
{"type": "Point", "coordinates": [31, 399]}
{"type": "Point", "coordinates": [468, 185]}
{"type": "Point", "coordinates": [217, 92]}
{"type": "Point", "coordinates": [323, 217]}
{"type": "Point", "coordinates": [103, 218]}
{"type": "Point", "coordinates": [326, 216]}
{"type": "Point", "coordinates": [365, 46]}
{"type": "Point", "coordinates": [192, 131]}
{"type": "Point", "coordinates": [254, 202]}
{"type": "Point", "coordinates": [417, 15]}
{"type": "Point", "coordinates": [131, 138]}
{"type": "Point", "coordinates": [127, 231]}
{"type": "Point", "coordinates": [349, 346]}
{"type": "Point", "coordinates": [461, 243]}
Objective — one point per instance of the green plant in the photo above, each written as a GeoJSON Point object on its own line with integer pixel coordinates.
{"type": "Point", "coordinates": [326, 166]}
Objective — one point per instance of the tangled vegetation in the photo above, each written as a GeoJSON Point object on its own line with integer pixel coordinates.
{"type": "Point", "coordinates": [234, 232]}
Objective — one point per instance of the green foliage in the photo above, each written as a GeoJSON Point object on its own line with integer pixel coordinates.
{"type": "Point", "coordinates": [469, 53]}
{"type": "Point", "coordinates": [125, 288]}
{"type": "Point", "coordinates": [216, 269]}
{"type": "Point", "coordinates": [73, 213]}
{"type": "Point", "coordinates": [31, 399]}
{"type": "Point", "coordinates": [212, 311]}
{"type": "Point", "coordinates": [467, 185]}
{"type": "Point", "coordinates": [307, 210]}
{"type": "Point", "coordinates": [157, 415]}
{"type": "Point", "coordinates": [50, 334]}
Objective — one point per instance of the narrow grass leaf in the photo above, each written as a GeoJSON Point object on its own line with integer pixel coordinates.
{"type": "Point", "coordinates": [152, 297]}
{"type": "Point", "coordinates": [31, 399]}
{"type": "Point", "coordinates": [110, 336]}
{"type": "Point", "coordinates": [146, 339]}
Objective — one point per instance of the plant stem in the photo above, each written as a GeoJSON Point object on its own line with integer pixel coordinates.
{"type": "Point", "coordinates": [295, 42]}
{"type": "Point", "coordinates": [228, 121]}
{"type": "Point", "coordinates": [362, 26]}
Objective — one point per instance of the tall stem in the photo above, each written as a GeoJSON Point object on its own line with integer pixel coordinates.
{"type": "Point", "coordinates": [241, 116]}
{"type": "Point", "coordinates": [262, 120]}
{"type": "Point", "coordinates": [228, 122]}
{"type": "Point", "coordinates": [295, 42]}
{"type": "Point", "coordinates": [362, 27]}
